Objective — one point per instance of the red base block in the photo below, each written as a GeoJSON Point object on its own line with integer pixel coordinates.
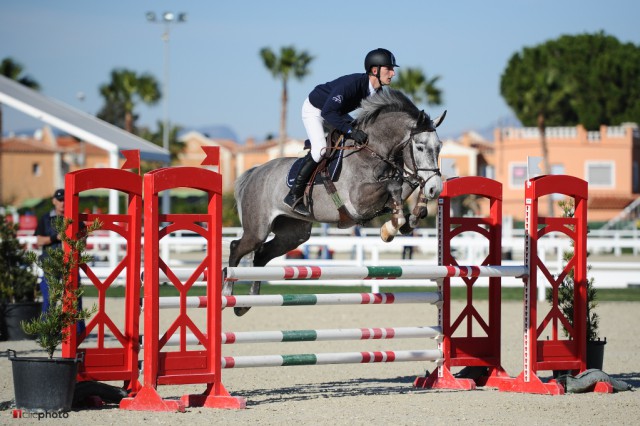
{"type": "Point", "coordinates": [447, 381]}
{"type": "Point", "coordinates": [497, 376]}
{"type": "Point", "coordinates": [221, 400]}
{"type": "Point", "coordinates": [534, 385]}
{"type": "Point", "coordinates": [603, 387]}
{"type": "Point", "coordinates": [149, 400]}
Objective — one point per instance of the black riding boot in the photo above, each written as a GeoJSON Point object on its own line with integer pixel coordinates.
{"type": "Point", "coordinates": [294, 198]}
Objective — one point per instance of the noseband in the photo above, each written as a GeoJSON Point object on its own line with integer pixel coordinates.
{"type": "Point", "coordinates": [411, 175]}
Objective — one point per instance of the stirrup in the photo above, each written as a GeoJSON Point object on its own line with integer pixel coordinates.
{"type": "Point", "coordinates": [298, 206]}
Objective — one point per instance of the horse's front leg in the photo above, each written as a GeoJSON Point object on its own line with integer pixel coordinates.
{"type": "Point", "coordinates": [390, 229]}
{"type": "Point", "coordinates": [419, 212]}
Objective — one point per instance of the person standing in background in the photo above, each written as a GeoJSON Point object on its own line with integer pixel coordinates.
{"type": "Point", "coordinates": [47, 238]}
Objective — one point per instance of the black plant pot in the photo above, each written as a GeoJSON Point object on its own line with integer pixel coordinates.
{"type": "Point", "coordinates": [14, 314]}
{"type": "Point", "coordinates": [595, 357]}
{"type": "Point", "coordinates": [595, 353]}
{"type": "Point", "coordinates": [43, 384]}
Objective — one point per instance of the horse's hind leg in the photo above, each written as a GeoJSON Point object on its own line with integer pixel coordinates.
{"type": "Point", "coordinates": [238, 249]}
{"type": "Point", "coordinates": [289, 234]}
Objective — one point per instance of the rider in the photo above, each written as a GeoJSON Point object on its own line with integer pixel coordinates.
{"type": "Point", "coordinates": [332, 102]}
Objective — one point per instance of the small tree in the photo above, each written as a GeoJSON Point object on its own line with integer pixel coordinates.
{"type": "Point", "coordinates": [565, 289]}
{"type": "Point", "coordinates": [18, 283]}
{"type": "Point", "coordinates": [53, 326]}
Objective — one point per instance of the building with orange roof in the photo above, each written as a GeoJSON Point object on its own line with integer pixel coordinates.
{"type": "Point", "coordinates": [609, 159]}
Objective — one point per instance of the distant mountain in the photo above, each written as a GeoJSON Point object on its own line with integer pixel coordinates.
{"type": "Point", "coordinates": [487, 131]}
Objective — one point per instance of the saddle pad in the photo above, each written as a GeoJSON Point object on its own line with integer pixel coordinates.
{"type": "Point", "coordinates": [334, 169]}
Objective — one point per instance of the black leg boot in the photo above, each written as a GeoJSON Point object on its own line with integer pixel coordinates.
{"type": "Point", "coordinates": [294, 198]}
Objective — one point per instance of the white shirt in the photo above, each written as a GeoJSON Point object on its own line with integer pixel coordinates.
{"type": "Point", "coordinates": [372, 90]}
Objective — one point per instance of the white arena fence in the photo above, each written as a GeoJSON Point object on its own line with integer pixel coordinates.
{"type": "Point", "coordinates": [340, 248]}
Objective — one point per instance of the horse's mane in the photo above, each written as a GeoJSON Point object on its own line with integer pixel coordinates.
{"type": "Point", "coordinates": [388, 100]}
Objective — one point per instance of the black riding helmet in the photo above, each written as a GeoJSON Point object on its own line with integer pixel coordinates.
{"type": "Point", "coordinates": [379, 58]}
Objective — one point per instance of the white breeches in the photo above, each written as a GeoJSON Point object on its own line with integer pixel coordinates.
{"type": "Point", "coordinates": [313, 124]}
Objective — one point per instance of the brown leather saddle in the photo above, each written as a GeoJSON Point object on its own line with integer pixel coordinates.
{"type": "Point", "coordinates": [328, 168]}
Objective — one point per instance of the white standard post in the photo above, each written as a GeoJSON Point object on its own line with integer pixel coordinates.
{"type": "Point", "coordinates": [113, 209]}
{"type": "Point", "coordinates": [542, 255]}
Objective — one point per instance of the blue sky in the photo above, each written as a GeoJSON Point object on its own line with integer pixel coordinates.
{"type": "Point", "coordinates": [217, 76]}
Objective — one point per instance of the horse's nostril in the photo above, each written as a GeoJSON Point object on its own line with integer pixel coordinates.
{"type": "Point", "coordinates": [432, 192]}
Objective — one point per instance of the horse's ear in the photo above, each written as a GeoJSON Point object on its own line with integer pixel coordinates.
{"type": "Point", "coordinates": [423, 122]}
{"type": "Point", "coordinates": [438, 120]}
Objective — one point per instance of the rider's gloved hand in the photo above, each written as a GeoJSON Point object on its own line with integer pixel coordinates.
{"type": "Point", "coordinates": [358, 136]}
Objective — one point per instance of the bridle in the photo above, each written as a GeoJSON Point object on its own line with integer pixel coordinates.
{"type": "Point", "coordinates": [409, 175]}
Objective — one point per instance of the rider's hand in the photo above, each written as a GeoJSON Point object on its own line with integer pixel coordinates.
{"type": "Point", "coordinates": [358, 136]}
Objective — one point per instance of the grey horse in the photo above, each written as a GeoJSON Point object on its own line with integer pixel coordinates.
{"type": "Point", "coordinates": [400, 156]}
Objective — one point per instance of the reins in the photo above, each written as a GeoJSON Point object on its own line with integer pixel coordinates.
{"type": "Point", "coordinates": [411, 175]}
{"type": "Point", "coordinates": [408, 175]}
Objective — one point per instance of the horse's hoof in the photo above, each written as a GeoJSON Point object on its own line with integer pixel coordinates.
{"type": "Point", "coordinates": [240, 311]}
{"type": "Point", "coordinates": [388, 232]}
{"type": "Point", "coordinates": [385, 236]}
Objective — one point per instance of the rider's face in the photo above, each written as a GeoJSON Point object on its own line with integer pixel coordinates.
{"type": "Point", "coordinates": [386, 74]}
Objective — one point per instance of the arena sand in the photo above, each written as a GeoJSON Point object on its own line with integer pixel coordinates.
{"type": "Point", "coordinates": [375, 393]}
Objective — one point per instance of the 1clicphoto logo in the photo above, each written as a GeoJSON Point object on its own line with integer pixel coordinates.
{"type": "Point", "coordinates": [19, 414]}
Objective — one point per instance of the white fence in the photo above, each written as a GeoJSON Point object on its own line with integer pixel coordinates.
{"type": "Point", "coordinates": [619, 248]}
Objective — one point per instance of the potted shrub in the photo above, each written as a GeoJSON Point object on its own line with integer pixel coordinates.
{"type": "Point", "coordinates": [18, 284]}
{"type": "Point", "coordinates": [595, 346]}
{"type": "Point", "coordinates": [48, 383]}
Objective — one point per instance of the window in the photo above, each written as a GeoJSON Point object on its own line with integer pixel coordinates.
{"type": "Point", "coordinates": [600, 174]}
{"type": "Point", "coordinates": [636, 177]}
{"type": "Point", "coordinates": [36, 170]}
{"type": "Point", "coordinates": [517, 174]}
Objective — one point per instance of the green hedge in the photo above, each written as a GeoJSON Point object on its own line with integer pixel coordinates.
{"type": "Point", "coordinates": [457, 293]}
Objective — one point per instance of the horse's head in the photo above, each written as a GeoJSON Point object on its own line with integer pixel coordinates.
{"type": "Point", "coordinates": [402, 133]}
{"type": "Point", "coordinates": [421, 154]}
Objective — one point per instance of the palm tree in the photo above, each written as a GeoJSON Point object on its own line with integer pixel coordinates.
{"type": "Point", "coordinates": [414, 83]}
{"type": "Point", "coordinates": [290, 62]}
{"type": "Point", "coordinates": [121, 94]}
{"type": "Point", "coordinates": [14, 71]}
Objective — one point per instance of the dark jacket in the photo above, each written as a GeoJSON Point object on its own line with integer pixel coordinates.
{"type": "Point", "coordinates": [337, 98]}
{"type": "Point", "coordinates": [46, 228]}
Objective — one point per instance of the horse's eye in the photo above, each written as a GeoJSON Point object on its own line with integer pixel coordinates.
{"type": "Point", "coordinates": [420, 148]}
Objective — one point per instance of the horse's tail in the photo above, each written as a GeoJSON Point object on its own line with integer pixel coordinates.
{"type": "Point", "coordinates": [241, 184]}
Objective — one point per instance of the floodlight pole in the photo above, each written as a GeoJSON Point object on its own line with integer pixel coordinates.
{"type": "Point", "coordinates": [167, 18]}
